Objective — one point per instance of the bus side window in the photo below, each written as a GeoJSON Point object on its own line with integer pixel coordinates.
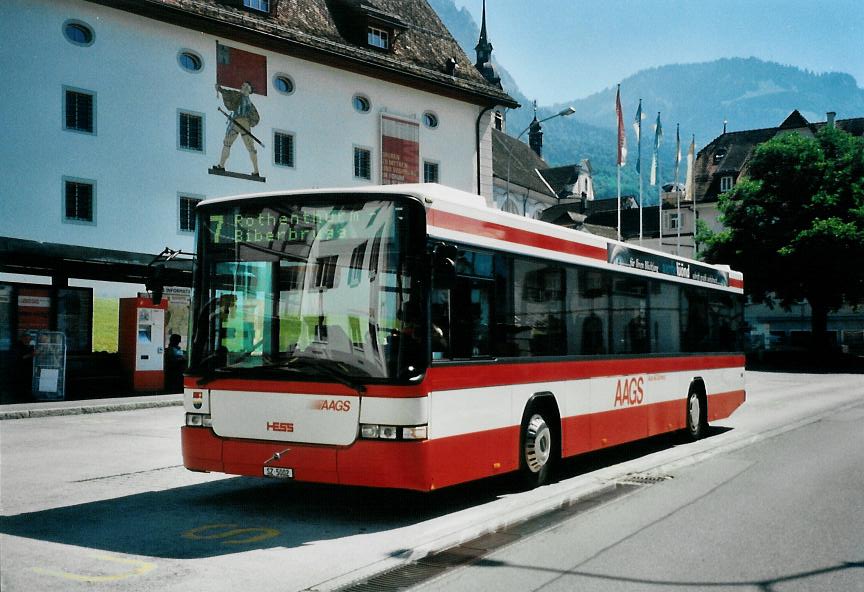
{"type": "Point", "coordinates": [440, 304]}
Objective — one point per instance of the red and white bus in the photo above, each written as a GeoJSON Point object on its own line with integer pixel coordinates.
{"type": "Point", "coordinates": [411, 337]}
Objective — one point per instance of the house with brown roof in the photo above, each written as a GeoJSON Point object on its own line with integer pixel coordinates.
{"type": "Point", "coordinates": [725, 161]}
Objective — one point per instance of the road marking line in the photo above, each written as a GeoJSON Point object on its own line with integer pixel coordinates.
{"type": "Point", "coordinates": [142, 568]}
{"type": "Point", "coordinates": [232, 531]}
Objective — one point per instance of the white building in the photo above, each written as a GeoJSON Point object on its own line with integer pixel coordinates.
{"type": "Point", "coordinates": [113, 127]}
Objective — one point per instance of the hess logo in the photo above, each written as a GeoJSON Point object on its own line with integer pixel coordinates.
{"type": "Point", "coordinates": [629, 391]}
{"type": "Point", "coordinates": [280, 426]}
{"type": "Point", "coordinates": [332, 405]}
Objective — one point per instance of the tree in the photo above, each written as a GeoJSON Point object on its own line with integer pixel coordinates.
{"type": "Point", "coordinates": [795, 226]}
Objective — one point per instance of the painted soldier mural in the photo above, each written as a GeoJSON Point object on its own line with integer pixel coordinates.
{"type": "Point", "coordinates": [239, 75]}
{"type": "Point", "coordinates": [243, 117]}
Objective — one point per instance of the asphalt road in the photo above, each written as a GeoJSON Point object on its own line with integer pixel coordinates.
{"type": "Point", "coordinates": [784, 514]}
{"type": "Point", "coordinates": [101, 502]}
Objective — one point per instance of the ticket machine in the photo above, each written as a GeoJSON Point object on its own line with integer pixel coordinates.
{"type": "Point", "coordinates": [141, 342]}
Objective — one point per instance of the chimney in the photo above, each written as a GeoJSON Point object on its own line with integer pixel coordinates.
{"type": "Point", "coordinates": [831, 115]}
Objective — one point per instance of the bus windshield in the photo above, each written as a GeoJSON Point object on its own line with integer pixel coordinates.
{"type": "Point", "coordinates": [310, 287]}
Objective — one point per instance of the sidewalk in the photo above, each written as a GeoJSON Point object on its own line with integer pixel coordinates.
{"type": "Point", "coordinates": [48, 408]}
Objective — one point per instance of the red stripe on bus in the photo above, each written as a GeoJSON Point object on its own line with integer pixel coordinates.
{"type": "Point", "coordinates": [509, 234]}
{"type": "Point", "coordinates": [306, 388]}
{"type": "Point", "coordinates": [736, 283]}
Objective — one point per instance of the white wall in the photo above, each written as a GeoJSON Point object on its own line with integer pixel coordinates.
{"type": "Point", "coordinates": [134, 158]}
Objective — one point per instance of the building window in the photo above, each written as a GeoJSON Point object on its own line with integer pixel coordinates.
{"type": "Point", "coordinates": [430, 172]}
{"type": "Point", "coordinates": [78, 33]}
{"type": "Point", "coordinates": [259, 5]}
{"type": "Point", "coordinates": [361, 104]}
{"type": "Point", "coordinates": [499, 121]}
{"type": "Point", "coordinates": [672, 222]}
{"type": "Point", "coordinates": [187, 212]}
{"type": "Point", "coordinates": [430, 120]}
{"type": "Point", "coordinates": [191, 131]}
{"type": "Point", "coordinates": [378, 38]}
{"type": "Point", "coordinates": [190, 61]}
{"type": "Point", "coordinates": [283, 149]}
{"type": "Point", "coordinates": [79, 111]}
{"type": "Point", "coordinates": [726, 183]}
{"type": "Point", "coordinates": [283, 84]}
{"type": "Point", "coordinates": [79, 197]}
{"type": "Point", "coordinates": [362, 163]}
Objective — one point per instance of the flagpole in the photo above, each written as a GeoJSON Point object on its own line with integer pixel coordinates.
{"type": "Point", "coordinates": [688, 187]}
{"type": "Point", "coordinates": [622, 150]}
{"type": "Point", "coordinates": [657, 133]}
{"type": "Point", "coordinates": [639, 162]}
{"type": "Point", "coordinates": [619, 201]}
{"type": "Point", "coordinates": [677, 192]}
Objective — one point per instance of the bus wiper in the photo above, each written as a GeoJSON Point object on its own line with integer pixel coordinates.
{"type": "Point", "coordinates": [314, 366]}
{"type": "Point", "coordinates": [211, 374]}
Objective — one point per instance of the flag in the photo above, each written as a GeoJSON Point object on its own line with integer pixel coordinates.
{"type": "Point", "coordinates": [236, 66]}
{"type": "Point", "coordinates": [658, 136]}
{"type": "Point", "coordinates": [622, 137]}
{"type": "Point", "coordinates": [637, 126]}
{"type": "Point", "coordinates": [691, 160]}
{"type": "Point", "coordinates": [677, 150]}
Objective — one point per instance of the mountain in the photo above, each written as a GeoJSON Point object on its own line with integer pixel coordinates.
{"type": "Point", "coordinates": [747, 92]}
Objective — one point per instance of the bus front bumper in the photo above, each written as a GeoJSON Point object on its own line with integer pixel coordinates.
{"type": "Point", "coordinates": [371, 463]}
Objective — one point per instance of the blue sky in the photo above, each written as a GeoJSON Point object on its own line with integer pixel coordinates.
{"type": "Point", "coordinates": [567, 49]}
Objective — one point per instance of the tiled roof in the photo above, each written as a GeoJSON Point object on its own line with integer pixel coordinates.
{"type": "Point", "coordinates": [560, 178]}
{"type": "Point", "coordinates": [316, 30]}
{"type": "Point", "coordinates": [514, 160]}
{"type": "Point", "coordinates": [730, 153]}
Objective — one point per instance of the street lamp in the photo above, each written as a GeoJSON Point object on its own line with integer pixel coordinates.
{"type": "Point", "coordinates": [562, 113]}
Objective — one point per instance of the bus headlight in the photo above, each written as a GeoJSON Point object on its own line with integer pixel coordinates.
{"type": "Point", "coordinates": [374, 431]}
{"type": "Point", "coordinates": [198, 420]}
{"type": "Point", "coordinates": [414, 433]}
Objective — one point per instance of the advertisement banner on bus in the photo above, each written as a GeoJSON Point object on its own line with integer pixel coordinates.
{"type": "Point", "coordinates": [656, 263]}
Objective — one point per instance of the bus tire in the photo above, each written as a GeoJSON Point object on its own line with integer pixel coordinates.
{"type": "Point", "coordinates": [537, 454]}
{"type": "Point", "coordinates": [697, 415]}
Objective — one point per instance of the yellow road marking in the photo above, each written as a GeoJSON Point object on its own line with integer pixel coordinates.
{"type": "Point", "coordinates": [231, 531]}
{"type": "Point", "coordinates": [142, 568]}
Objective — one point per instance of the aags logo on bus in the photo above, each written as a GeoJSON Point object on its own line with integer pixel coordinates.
{"type": "Point", "coordinates": [629, 391]}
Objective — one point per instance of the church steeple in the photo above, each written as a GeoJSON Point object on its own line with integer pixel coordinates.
{"type": "Point", "coordinates": [484, 54]}
{"type": "Point", "coordinates": [535, 134]}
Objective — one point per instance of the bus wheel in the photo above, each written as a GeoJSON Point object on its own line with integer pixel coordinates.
{"type": "Point", "coordinates": [537, 455]}
{"type": "Point", "coordinates": [697, 414]}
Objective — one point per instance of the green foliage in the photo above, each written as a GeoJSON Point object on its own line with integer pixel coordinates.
{"type": "Point", "coordinates": [796, 226]}
{"type": "Point", "coordinates": [105, 324]}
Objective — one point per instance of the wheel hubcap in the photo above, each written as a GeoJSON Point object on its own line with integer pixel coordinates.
{"type": "Point", "coordinates": [538, 444]}
{"type": "Point", "coordinates": [695, 413]}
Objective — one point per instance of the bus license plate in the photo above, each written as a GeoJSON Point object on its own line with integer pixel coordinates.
{"type": "Point", "coordinates": [279, 472]}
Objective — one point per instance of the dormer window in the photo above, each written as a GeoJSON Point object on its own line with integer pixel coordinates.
{"type": "Point", "coordinates": [379, 38]}
{"type": "Point", "coordinates": [719, 155]}
{"type": "Point", "coordinates": [726, 183]}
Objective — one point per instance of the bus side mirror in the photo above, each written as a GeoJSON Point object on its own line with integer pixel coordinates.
{"type": "Point", "coordinates": [155, 283]}
{"type": "Point", "coordinates": [444, 266]}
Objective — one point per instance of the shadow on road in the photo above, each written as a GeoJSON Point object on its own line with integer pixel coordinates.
{"type": "Point", "coordinates": [242, 514]}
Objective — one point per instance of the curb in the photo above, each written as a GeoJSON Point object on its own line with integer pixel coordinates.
{"type": "Point", "coordinates": [54, 408]}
